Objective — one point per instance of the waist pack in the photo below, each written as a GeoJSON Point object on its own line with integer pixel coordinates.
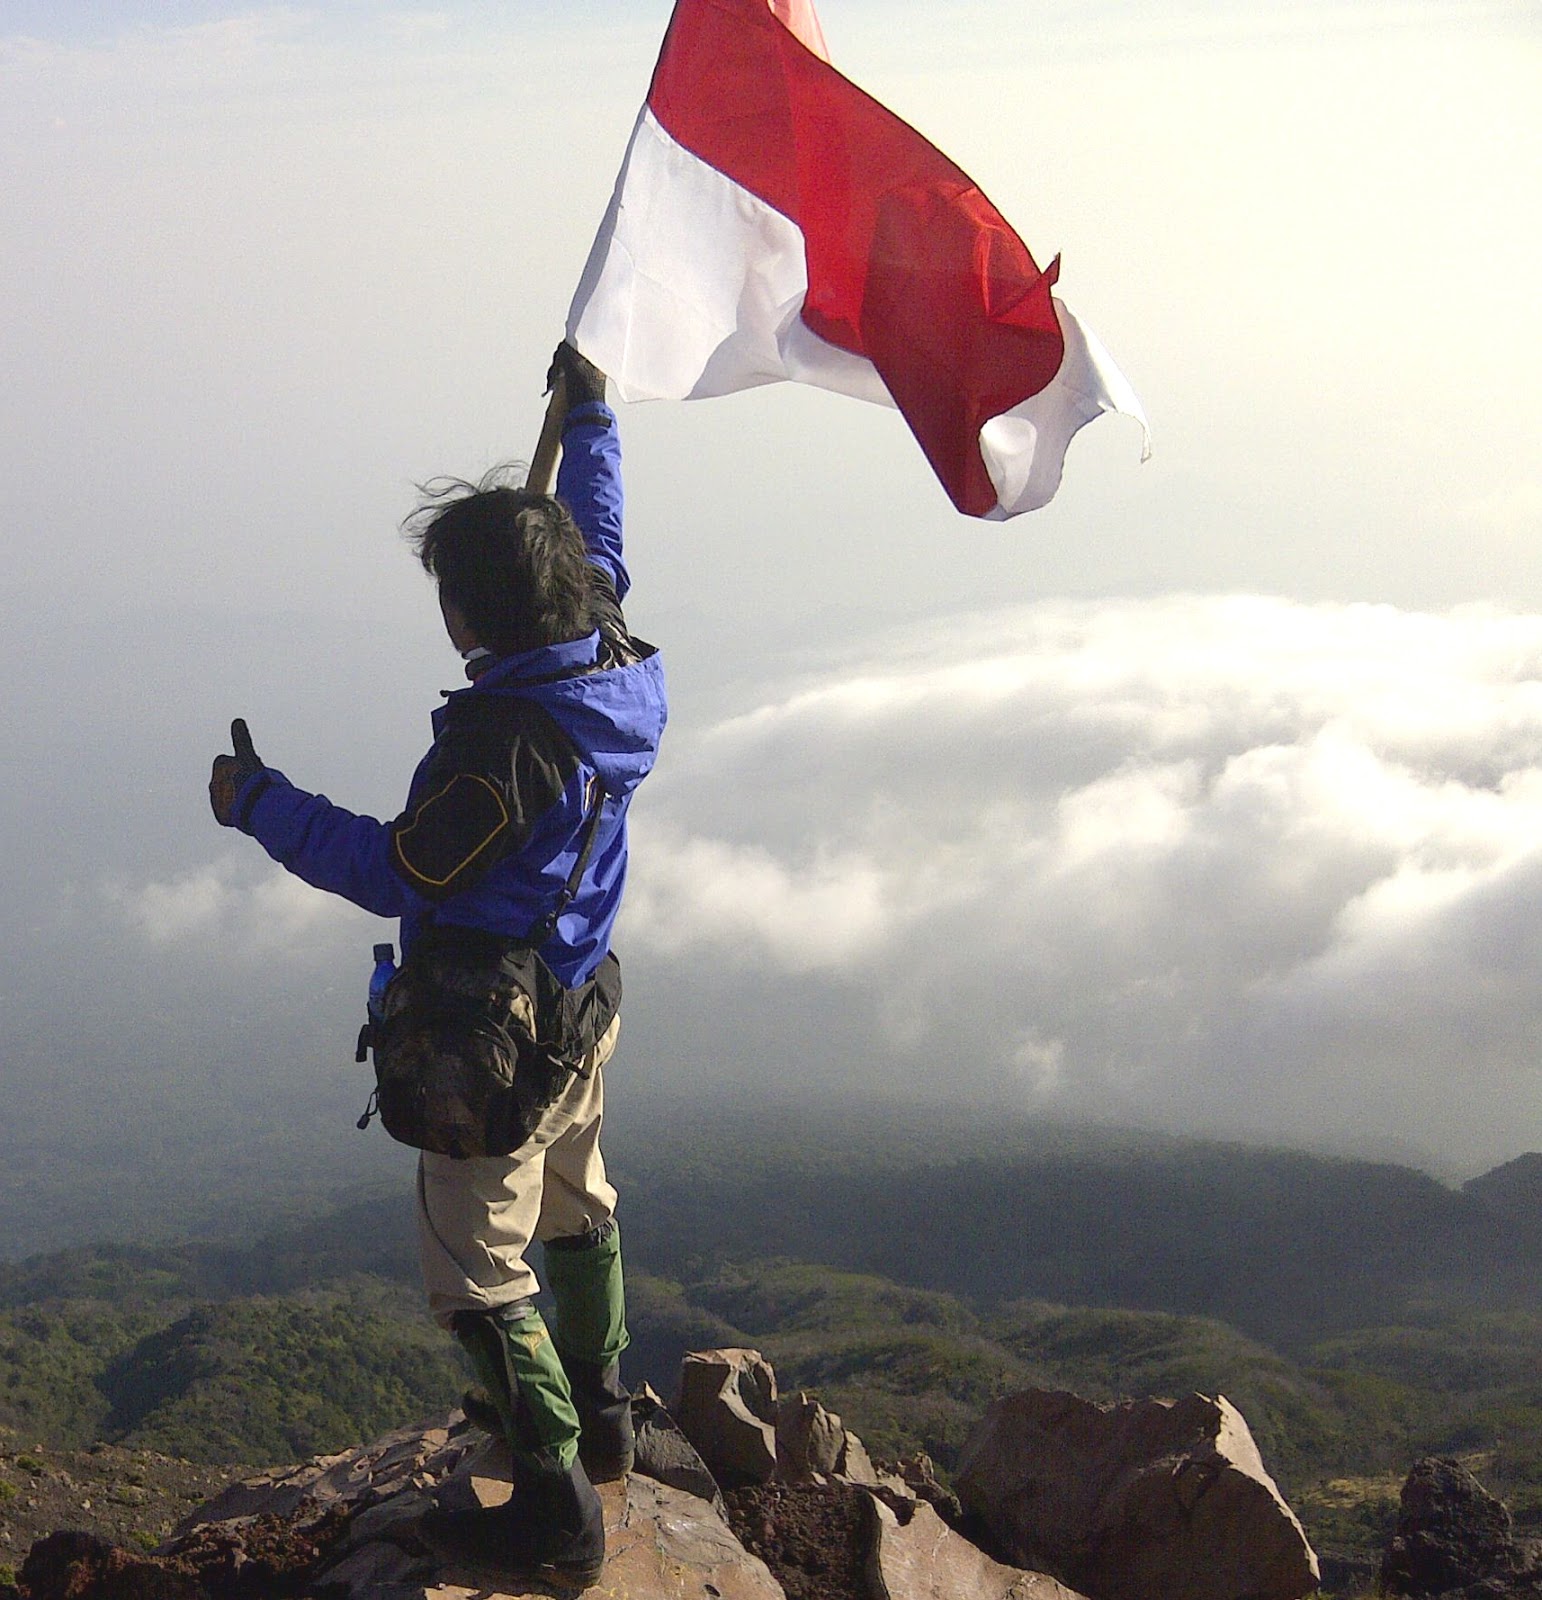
{"type": "Point", "coordinates": [477, 1038]}
{"type": "Point", "coordinates": [474, 1044]}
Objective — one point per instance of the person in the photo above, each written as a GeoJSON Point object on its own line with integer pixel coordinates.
{"type": "Point", "coordinates": [531, 772]}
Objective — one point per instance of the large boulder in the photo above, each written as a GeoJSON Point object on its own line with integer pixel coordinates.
{"type": "Point", "coordinates": [664, 1452]}
{"type": "Point", "coordinates": [1452, 1536]}
{"type": "Point", "coordinates": [810, 1441]}
{"type": "Point", "coordinates": [728, 1411]}
{"type": "Point", "coordinates": [1139, 1500]}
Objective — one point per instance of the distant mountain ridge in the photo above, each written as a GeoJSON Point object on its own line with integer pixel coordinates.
{"type": "Point", "coordinates": [1512, 1191]}
{"type": "Point", "coordinates": [1285, 1246]}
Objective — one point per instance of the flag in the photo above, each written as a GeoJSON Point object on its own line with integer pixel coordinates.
{"type": "Point", "coordinates": [771, 221]}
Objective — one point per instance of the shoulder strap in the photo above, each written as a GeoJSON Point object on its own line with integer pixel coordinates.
{"type": "Point", "coordinates": [594, 801]}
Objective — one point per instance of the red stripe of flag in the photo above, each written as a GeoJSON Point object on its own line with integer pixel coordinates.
{"type": "Point", "coordinates": [909, 265]}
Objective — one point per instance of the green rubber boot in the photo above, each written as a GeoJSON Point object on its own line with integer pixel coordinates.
{"type": "Point", "coordinates": [584, 1275]}
{"type": "Point", "coordinates": [552, 1528]}
{"type": "Point", "coordinates": [513, 1355]}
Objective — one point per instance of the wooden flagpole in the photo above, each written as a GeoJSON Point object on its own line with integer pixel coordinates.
{"type": "Point", "coordinates": [542, 476]}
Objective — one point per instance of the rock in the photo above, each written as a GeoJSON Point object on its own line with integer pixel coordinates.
{"type": "Point", "coordinates": [665, 1454]}
{"type": "Point", "coordinates": [1140, 1500]}
{"type": "Point", "coordinates": [918, 1474]}
{"type": "Point", "coordinates": [728, 1411]}
{"type": "Point", "coordinates": [406, 1456]}
{"type": "Point", "coordinates": [672, 1546]}
{"type": "Point", "coordinates": [812, 1445]}
{"type": "Point", "coordinates": [389, 1520]}
{"type": "Point", "coordinates": [856, 1465]}
{"type": "Point", "coordinates": [1453, 1535]}
{"type": "Point", "coordinates": [377, 1568]}
{"type": "Point", "coordinates": [277, 1493]}
{"type": "Point", "coordinates": [922, 1558]}
{"type": "Point", "coordinates": [1143, 1478]}
{"type": "Point", "coordinates": [810, 1441]}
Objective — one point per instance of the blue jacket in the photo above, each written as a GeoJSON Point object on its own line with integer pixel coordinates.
{"type": "Point", "coordinates": [497, 810]}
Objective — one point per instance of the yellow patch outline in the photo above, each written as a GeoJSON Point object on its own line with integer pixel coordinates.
{"type": "Point", "coordinates": [417, 816]}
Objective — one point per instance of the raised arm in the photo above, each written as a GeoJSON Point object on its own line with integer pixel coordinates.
{"type": "Point", "coordinates": [589, 478]}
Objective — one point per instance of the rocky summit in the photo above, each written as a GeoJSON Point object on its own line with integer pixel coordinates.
{"type": "Point", "coordinates": [745, 1494]}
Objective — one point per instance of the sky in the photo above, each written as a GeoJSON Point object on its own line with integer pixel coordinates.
{"type": "Point", "coordinates": [1205, 799]}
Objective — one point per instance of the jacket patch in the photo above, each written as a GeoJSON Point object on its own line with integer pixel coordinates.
{"type": "Point", "coordinates": [447, 833]}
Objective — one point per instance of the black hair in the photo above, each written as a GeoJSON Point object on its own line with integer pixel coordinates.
{"type": "Point", "coordinates": [510, 560]}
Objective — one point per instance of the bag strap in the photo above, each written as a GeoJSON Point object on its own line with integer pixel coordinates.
{"type": "Point", "coordinates": [594, 802]}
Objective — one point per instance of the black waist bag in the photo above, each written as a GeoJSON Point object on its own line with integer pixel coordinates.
{"type": "Point", "coordinates": [475, 1044]}
{"type": "Point", "coordinates": [477, 1038]}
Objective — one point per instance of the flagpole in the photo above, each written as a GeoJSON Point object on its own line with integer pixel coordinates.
{"type": "Point", "coordinates": [542, 476]}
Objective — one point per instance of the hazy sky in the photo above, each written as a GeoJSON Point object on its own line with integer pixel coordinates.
{"type": "Point", "coordinates": [1207, 798]}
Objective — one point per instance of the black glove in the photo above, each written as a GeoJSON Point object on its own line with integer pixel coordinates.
{"type": "Point", "coordinates": [230, 772]}
{"type": "Point", "coordinates": [584, 381]}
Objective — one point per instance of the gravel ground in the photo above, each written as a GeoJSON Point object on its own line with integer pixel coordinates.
{"type": "Point", "coordinates": [131, 1497]}
{"type": "Point", "coordinates": [812, 1537]}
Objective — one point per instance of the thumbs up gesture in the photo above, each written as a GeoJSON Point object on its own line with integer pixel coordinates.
{"type": "Point", "coordinates": [230, 772]}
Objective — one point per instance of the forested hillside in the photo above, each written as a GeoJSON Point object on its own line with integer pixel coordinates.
{"type": "Point", "coordinates": [1283, 1245]}
{"type": "Point", "coordinates": [1359, 1314]}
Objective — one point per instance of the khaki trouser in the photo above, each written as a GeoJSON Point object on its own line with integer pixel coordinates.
{"type": "Point", "coordinates": [477, 1216]}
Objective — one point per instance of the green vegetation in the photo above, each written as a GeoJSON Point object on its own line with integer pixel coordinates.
{"type": "Point", "coordinates": [265, 1380]}
{"type": "Point", "coordinates": [273, 1377]}
{"type": "Point", "coordinates": [251, 1380]}
{"type": "Point", "coordinates": [908, 1271]}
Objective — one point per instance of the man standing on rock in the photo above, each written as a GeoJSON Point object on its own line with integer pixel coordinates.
{"type": "Point", "coordinates": [513, 839]}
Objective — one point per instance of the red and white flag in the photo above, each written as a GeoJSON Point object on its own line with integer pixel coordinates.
{"type": "Point", "coordinates": [771, 221]}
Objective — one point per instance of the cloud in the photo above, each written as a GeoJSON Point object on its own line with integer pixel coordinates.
{"type": "Point", "coordinates": [250, 911]}
{"type": "Point", "coordinates": [1230, 862]}
{"type": "Point", "coordinates": [741, 901]}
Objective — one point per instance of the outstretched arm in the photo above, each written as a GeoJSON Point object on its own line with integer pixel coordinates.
{"type": "Point", "coordinates": [476, 799]}
{"type": "Point", "coordinates": [328, 847]}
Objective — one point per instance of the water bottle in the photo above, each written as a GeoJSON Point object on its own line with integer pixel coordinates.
{"type": "Point", "coordinates": [385, 970]}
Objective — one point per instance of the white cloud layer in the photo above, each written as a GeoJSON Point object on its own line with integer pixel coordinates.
{"type": "Point", "coordinates": [1231, 862]}
{"type": "Point", "coordinates": [244, 909]}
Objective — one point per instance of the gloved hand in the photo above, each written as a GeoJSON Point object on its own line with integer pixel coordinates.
{"type": "Point", "coordinates": [584, 381]}
{"type": "Point", "coordinates": [230, 772]}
